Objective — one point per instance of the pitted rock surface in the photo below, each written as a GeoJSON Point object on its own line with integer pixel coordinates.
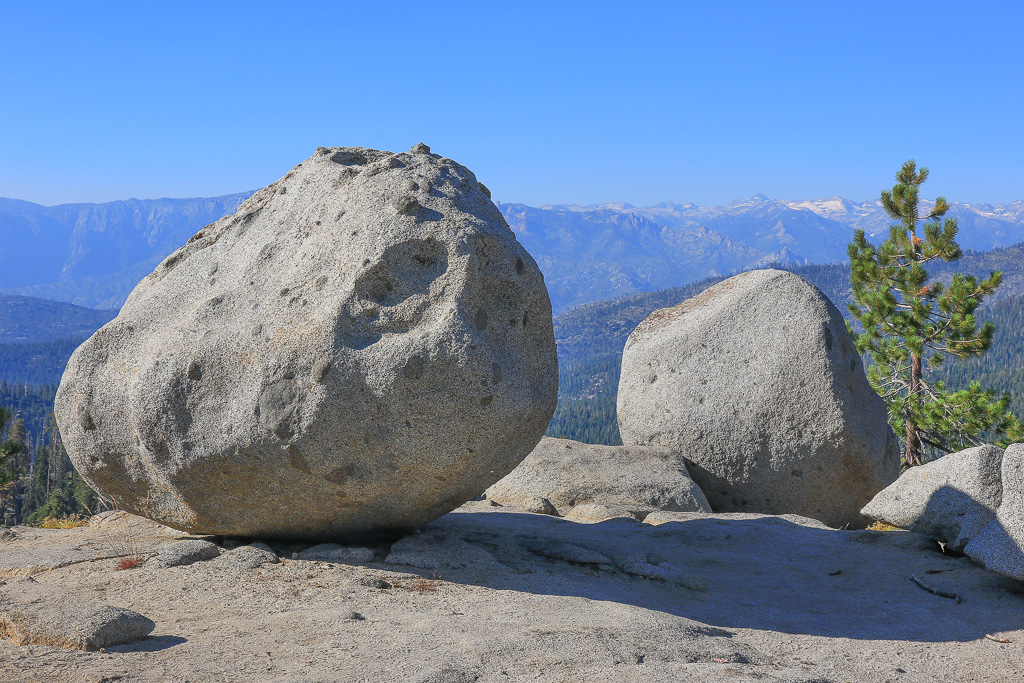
{"type": "Point", "coordinates": [247, 557]}
{"type": "Point", "coordinates": [332, 552]}
{"type": "Point", "coordinates": [950, 499]}
{"type": "Point", "coordinates": [758, 384]}
{"type": "Point", "coordinates": [361, 348]}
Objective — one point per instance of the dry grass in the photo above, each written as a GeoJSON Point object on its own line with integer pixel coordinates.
{"type": "Point", "coordinates": [424, 586]}
{"type": "Point", "coordinates": [121, 537]}
{"type": "Point", "coordinates": [882, 526]}
{"type": "Point", "coordinates": [65, 522]}
{"type": "Point", "coordinates": [130, 562]}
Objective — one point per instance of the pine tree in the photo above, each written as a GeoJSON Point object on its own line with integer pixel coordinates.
{"type": "Point", "coordinates": [36, 491]}
{"type": "Point", "coordinates": [911, 324]}
{"type": "Point", "coordinates": [10, 463]}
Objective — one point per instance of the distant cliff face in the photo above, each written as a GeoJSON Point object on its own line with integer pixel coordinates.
{"type": "Point", "coordinates": [93, 254]}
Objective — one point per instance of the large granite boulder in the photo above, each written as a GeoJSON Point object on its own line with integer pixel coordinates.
{"type": "Point", "coordinates": [758, 384]}
{"type": "Point", "coordinates": [950, 499]}
{"type": "Point", "coordinates": [361, 348]}
{"type": "Point", "coordinates": [1000, 545]}
{"type": "Point", "coordinates": [639, 479]}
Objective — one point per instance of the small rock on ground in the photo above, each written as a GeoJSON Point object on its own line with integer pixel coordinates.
{"type": "Point", "coordinates": [246, 557]}
{"type": "Point", "coordinates": [72, 627]}
{"type": "Point", "coordinates": [179, 553]}
{"type": "Point", "coordinates": [332, 552]}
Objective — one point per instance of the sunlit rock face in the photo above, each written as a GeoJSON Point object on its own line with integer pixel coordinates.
{"type": "Point", "coordinates": [757, 383]}
{"type": "Point", "coordinates": [361, 348]}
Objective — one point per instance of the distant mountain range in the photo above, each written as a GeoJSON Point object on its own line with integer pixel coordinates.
{"type": "Point", "coordinates": [94, 254]}
{"type": "Point", "coordinates": [595, 253]}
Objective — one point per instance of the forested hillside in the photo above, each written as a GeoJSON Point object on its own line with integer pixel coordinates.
{"type": "Point", "coordinates": [1002, 368]}
{"type": "Point", "coordinates": [37, 363]}
{"type": "Point", "coordinates": [33, 404]}
{"type": "Point", "coordinates": [28, 319]}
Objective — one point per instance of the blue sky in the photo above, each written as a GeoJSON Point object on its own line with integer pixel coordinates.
{"type": "Point", "coordinates": [546, 102]}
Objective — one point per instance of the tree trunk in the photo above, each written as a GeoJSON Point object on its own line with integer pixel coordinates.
{"type": "Point", "coordinates": [912, 454]}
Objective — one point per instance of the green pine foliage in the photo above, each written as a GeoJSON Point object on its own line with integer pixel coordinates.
{"type": "Point", "coordinates": [43, 485]}
{"type": "Point", "coordinates": [9, 451]}
{"type": "Point", "coordinates": [1002, 367]}
{"type": "Point", "coordinates": [911, 323]}
{"type": "Point", "coordinates": [12, 450]}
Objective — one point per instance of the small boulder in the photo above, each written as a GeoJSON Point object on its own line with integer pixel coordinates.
{"type": "Point", "coordinates": [247, 557]}
{"type": "Point", "coordinates": [1000, 545]}
{"type": "Point", "coordinates": [332, 552]}
{"type": "Point", "coordinates": [568, 474]}
{"type": "Point", "coordinates": [950, 499]}
{"type": "Point", "coordinates": [364, 343]}
{"type": "Point", "coordinates": [758, 384]}
{"type": "Point", "coordinates": [181, 553]}
{"type": "Point", "coordinates": [373, 582]}
{"type": "Point", "coordinates": [72, 626]}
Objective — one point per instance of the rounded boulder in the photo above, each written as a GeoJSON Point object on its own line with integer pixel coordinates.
{"type": "Point", "coordinates": [757, 383]}
{"type": "Point", "coordinates": [361, 348]}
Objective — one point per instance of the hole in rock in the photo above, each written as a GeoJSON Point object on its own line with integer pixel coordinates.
{"type": "Point", "coordinates": [480, 320]}
{"type": "Point", "coordinates": [404, 269]}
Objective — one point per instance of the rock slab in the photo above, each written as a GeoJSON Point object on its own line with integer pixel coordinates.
{"type": "Point", "coordinates": [361, 348]}
{"type": "Point", "coordinates": [332, 552]}
{"type": "Point", "coordinates": [182, 553]}
{"type": "Point", "coordinates": [1000, 545]}
{"type": "Point", "coordinates": [758, 384]}
{"type": "Point", "coordinates": [950, 499]}
{"type": "Point", "coordinates": [566, 473]}
{"type": "Point", "coordinates": [72, 627]}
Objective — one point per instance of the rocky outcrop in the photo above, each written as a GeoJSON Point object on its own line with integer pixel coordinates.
{"type": "Point", "coordinates": [509, 596]}
{"type": "Point", "coordinates": [950, 499]}
{"type": "Point", "coordinates": [635, 480]}
{"type": "Point", "coordinates": [757, 383]}
{"type": "Point", "coordinates": [1000, 545]}
{"type": "Point", "coordinates": [359, 349]}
